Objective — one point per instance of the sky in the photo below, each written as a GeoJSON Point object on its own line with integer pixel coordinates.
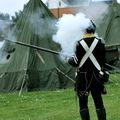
{"type": "Point", "coordinates": [12, 6]}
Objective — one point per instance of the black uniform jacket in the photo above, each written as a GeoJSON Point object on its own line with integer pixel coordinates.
{"type": "Point", "coordinates": [98, 52]}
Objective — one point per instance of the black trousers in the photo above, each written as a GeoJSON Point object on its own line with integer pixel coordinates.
{"type": "Point", "coordinates": [87, 82]}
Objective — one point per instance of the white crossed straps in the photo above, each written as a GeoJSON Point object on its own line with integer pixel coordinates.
{"type": "Point", "coordinates": [89, 54]}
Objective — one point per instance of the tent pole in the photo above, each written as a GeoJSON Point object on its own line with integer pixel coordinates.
{"type": "Point", "coordinates": [23, 82]}
{"type": "Point", "coordinates": [22, 86]}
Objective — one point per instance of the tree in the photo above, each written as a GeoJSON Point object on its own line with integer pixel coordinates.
{"type": "Point", "coordinates": [5, 17]}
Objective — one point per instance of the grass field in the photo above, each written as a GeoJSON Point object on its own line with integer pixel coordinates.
{"type": "Point", "coordinates": [56, 105]}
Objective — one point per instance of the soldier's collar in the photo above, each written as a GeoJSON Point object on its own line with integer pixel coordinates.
{"type": "Point", "coordinates": [87, 35]}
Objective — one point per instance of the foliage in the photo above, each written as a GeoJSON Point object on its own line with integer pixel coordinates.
{"type": "Point", "coordinates": [5, 17]}
{"type": "Point", "coordinates": [16, 17]}
{"type": "Point", "coordinates": [56, 105]}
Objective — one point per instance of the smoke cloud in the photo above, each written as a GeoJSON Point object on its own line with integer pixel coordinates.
{"type": "Point", "coordinates": [118, 1]}
{"type": "Point", "coordinates": [41, 24]}
{"type": "Point", "coordinates": [92, 11]}
{"type": "Point", "coordinates": [5, 46]}
{"type": "Point", "coordinates": [70, 29]}
{"type": "Point", "coordinates": [3, 26]}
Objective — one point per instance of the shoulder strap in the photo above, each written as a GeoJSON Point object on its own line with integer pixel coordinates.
{"type": "Point", "coordinates": [89, 53]}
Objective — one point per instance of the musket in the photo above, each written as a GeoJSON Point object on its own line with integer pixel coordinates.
{"type": "Point", "coordinates": [32, 46]}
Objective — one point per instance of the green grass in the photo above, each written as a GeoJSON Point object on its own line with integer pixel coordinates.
{"type": "Point", "coordinates": [56, 105]}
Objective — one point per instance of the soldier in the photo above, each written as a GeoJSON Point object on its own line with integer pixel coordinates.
{"type": "Point", "coordinates": [88, 68]}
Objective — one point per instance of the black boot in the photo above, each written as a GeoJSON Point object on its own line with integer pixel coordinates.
{"type": "Point", "coordinates": [101, 114]}
{"type": "Point", "coordinates": [85, 114]}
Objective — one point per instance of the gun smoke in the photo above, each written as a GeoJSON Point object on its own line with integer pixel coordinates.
{"type": "Point", "coordinates": [70, 29]}
{"type": "Point", "coordinates": [41, 25]}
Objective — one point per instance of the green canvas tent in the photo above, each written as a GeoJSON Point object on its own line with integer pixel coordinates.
{"type": "Point", "coordinates": [109, 29]}
{"type": "Point", "coordinates": [27, 68]}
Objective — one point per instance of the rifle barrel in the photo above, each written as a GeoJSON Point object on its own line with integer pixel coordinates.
{"type": "Point", "coordinates": [32, 46]}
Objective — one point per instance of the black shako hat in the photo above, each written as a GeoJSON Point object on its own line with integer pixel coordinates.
{"type": "Point", "coordinates": [91, 28]}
